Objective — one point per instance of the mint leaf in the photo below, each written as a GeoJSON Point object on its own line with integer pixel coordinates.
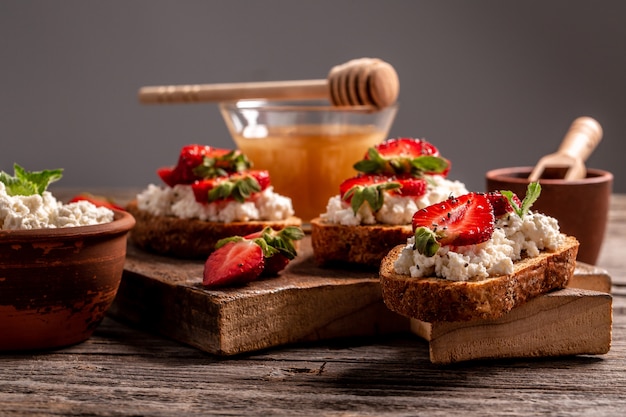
{"type": "Point", "coordinates": [374, 195]}
{"type": "Point", "coordinates": [429, 163]}
{"type": "Point", "coordinates": [29, 182]}
{"type": "Point", "coordinates": [426, 242]}
{"type": "Point", "coordinates": [532, 194]}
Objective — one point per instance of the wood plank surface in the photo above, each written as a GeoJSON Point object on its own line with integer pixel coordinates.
{"type": "Point", "coordinates": [129, 371]}
{"type": "Point", "coordinates": [304, 303]}
{"type": "Point", "coordinates": [126, 372]}
{"type": "Point", "coordinates": [561, 323]}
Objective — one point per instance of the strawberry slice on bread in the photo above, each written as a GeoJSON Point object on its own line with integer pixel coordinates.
{"type": "Point", "coordinates": [457, 221]}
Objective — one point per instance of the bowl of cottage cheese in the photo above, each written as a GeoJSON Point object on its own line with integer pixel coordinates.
{"type": "Point", "coordinates": [60, 264]}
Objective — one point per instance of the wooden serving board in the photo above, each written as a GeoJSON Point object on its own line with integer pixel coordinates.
{"type": "Point", "coordinates": [305, 303]}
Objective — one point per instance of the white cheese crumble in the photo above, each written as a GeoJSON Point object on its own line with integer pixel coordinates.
{"type": "Point", "coordinates": [179, 201]}
{"type": "Point", "coordinates": [512, 238]}
{"type": "Point", "coordinates": [45, 212]}
{"type": "Point", "coordinates": [396, 210]}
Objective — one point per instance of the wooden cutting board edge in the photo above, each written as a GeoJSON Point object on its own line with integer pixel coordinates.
{"type": "Point", "coordinates": [306, 303]}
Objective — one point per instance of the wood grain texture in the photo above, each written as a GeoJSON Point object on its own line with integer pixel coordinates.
{"type": "Point", "coordinates": [129, 371]}
{"type": "Point", "coordinates": [126, 372]}
{"type": "Point", "coordinates": [305, 303]}
{"type": "Point", "coordinates": [561, 323]}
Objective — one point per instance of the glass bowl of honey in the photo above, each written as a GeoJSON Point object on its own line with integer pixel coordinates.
{"type": "Point", "coordinates": [308, 147]}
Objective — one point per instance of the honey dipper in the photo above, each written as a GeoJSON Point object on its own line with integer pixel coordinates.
{"type": "Point", "coordinates": [359, 82]}
{"type": "Point", "coordinates": [579, 142]}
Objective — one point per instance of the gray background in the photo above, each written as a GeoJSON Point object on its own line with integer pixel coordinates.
{"type": "Point", "coordinates": [491, 83]}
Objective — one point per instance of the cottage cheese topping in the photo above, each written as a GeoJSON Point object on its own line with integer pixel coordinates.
{"type": "Point", "coordinates": [396, 210]}
{"type": "Point", "coordinates": [45, 212]}
{"type": "Point", "coordinates": [512, 238]}
{"type": "Point", "coordinates": [179, 201]}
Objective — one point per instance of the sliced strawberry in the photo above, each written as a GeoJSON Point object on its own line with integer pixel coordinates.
{"type": "Point", "coordinates": [406, 147]}
{"type": "Point", "coordinates": [238, 260]}
{"type": "Point", "coordinates": [97, 201]}
{"type": "Point", "coordinates": [457, 221]}
{"type": "Point", "coordinates": [366, 188]}
{"type": "Point", "coordinates": [168, 176]}
{"type": "Point", "coordinates": [189, 158]}
{"type": "Point", "coordinates": [501, 204]}
{"type": "Point", "coordinates": [197, 162]}
{"type": "Point", "coordinates": [371, 189]}
{"type": "Point", "coordinates": [278, 247]}
{"type": "Point", "coordinates": [261, 176]}
{"type": "Point", "coordinates": [404, 156]}
{"type": "Point", "coordinates": [238, 187]}
{"type": "Point", "coordinates": [274, 264]}
{"type": "Point", "coordinates": [220, 162]}
{"type": "Point", "coordinates": [235, 262]}
{"type": "Point", "coordinates": [411, 187]}
{"type": "Point", "coordinates": [201, 188]}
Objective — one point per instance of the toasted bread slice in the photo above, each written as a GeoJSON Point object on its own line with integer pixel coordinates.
{"type": "Point", "coordinates": [189, 238]}
{"type": "Point", "coordinates": [364, 245]}
{"type": "Point", "coordinates": [437, 300]}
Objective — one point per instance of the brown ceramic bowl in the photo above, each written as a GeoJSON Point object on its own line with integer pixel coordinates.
{"type": "Point", "coordinates": [580, 206]}
{"type": "Point", "coordinates": [57, 284]}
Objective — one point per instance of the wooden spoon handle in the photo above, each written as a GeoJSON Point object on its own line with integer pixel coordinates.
{"type": "Point", "coordinates": [581, 139]}
{"type": "Point", "coordinates": [281, 90]}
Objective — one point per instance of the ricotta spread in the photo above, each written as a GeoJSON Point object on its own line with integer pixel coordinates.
{"type": "Point", "coordinates": [513, 237]}
{"type": "Point", "coordinates": [396, 210]}
{"type": "Point", "coordinates": [179, 201]}
{"type": "Point", "coordinates": [44, 211]}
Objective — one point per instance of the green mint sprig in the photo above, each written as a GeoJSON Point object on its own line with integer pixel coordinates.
{"type": "Point", "coordinates": [532, 194]}
{"type": "Point", "coordinates": [27, 183]}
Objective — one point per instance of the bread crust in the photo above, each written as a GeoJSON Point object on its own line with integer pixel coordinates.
{"type": "Point", "coordinates": [365, 245]}
{"type": "Point", "coordinates": [436, 300]}
{"type": "Point", "coordinates": [189, 238]}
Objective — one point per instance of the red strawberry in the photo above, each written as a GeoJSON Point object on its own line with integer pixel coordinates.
{"type": "Point", "coordinates": [238, 186]}
{"type": "Point", "coordinates": [236, 262]}
{"type": "Point", "coordinates": [201, 188]}
{"type": "Point", "coordinates": [406, 147]}
{"type": "Point", "coordinates": [168, 176]}
{"type": "Point", "coordinates": [190, 157]}
{"type": "Point", "coordinates": [274, 264]}
{"type": "Point", "coordinates": [410, 187]}
{"type": "Point", "coordinates": [501, 204]}
{"type": "Point", "coordinates": [403, 156]}
{"type": "Point", "coordinates": [371, 188]}
{"type": "Point", "coordinates": [457, 221]}
{"type": "Point", "coordinates": [96, 201]}
{"type": "Point", "coordinates": [202, 161]}
{"type": "Point", "coordinates": [278, 247]}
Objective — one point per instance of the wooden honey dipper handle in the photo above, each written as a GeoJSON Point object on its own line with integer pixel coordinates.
{"type": "Point", "coordinates": [582, 138]}
{"type": "Point", "coordinates": [359, 82]}
{"type": "Point", "coordinates": [306, 89]}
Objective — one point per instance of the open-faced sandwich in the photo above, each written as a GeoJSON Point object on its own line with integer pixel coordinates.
{"type": "Point", "coordinates": [476, 256]}
{"type": "Point", "coordinates": [372, 212]}
{"type": "Point", "coordinates": [209, 195]}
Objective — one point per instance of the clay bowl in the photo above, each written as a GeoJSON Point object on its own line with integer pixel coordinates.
{"type": "Point", "coordinates": [57, 284]}
{"type": "Point", "coordinates": [581, 206]}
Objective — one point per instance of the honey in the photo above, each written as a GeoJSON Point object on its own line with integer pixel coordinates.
{"type": "Point", "coordinates": [308, 162]}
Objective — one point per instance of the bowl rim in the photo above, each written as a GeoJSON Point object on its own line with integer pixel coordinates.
{"type": "Point", "coordinates": [505, 175]}
{"type": "Point", "coordinates": [122, 222]}
{"type": "Point", "coordinates": [299, 106]}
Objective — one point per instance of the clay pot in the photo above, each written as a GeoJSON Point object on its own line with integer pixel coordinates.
{"type": "Point", "coordinates": [57, 284]}
{"type": "Point", "coordinates": [580, 206]}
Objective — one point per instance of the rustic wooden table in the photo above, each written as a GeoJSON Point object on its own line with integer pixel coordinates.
{"type": "Point", "coordinates": [123, 371]}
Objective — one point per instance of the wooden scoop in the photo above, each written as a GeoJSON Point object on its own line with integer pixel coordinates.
{"type": "Point", "coordinates": [581, 139]}
{"type": "Point", "coordinates": [359, 82]}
